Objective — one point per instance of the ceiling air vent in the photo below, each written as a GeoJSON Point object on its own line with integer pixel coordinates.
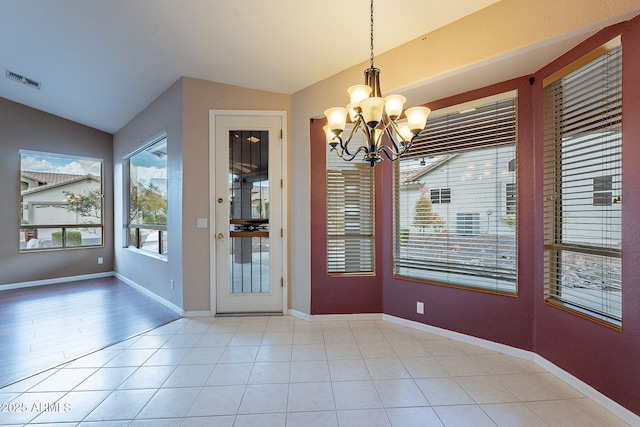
{"type": "Point", "coordinates": [22, 79]}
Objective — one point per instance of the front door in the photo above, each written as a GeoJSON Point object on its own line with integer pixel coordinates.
{"type": "Point", "coordinates": [248, 214]}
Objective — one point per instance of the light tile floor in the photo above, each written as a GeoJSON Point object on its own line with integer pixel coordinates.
{"type": "Point", "coordinates": [281, 371]}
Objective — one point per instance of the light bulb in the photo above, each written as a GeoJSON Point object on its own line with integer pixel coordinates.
{"type": "Point", "coordinates": [357, 93]}
{"type": "Point", "coordinates": [330, 137]}
{"type": "Point", "coordinates": [372, 110]}
{"type": "Point", "coordinates": [417, 118]}
{"type": "Point", "coordinates": [393, 106]}
{"type": "Point", "coordinates": [336, 119]}
{"type": "Point", "coordinates": [405, 132]}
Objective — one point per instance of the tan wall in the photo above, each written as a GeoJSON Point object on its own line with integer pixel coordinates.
{"type": "Point", "coordinates": [200, 96]}
{"type": "Point", "coordinates": [183, 112]}
{"type": "Point", "coordinates": [25, 128]}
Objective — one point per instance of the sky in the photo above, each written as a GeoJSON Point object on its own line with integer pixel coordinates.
{"type": "Point", "coordinates": [148, 167]}
{"type": "Point", "coordinates": [69, 165]}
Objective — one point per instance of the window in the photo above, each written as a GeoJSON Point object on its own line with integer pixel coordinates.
{"type": "Point", "coordinates": [441, 195]}
{"type": "Point", "coordinates": [602, 186]}
{"type": "Point", "coordinates": [147, 226]}
{"type": "Point", "coordinates": [350, 215]}
{"type": "Point", "coordinates": [469, 240]}
{"type": "Point", "coordinates": [467, 223]}
{"type": "Point", "coordinates": [60, 201]}
{"type": "Point", "coordinates": [510, 203]}
{"type": "Point", "coordinates": [583, 185]}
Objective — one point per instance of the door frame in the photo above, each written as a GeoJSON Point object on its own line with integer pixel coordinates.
{"type": "Point", "coordinates": [213, 206]}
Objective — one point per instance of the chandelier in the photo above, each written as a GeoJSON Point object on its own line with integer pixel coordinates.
{"type": "Point", "coordinates": [374, 116]}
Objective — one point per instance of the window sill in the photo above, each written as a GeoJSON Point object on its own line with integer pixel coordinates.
{"type": "Point", "coordinates": [147, 253]}
{"type": "Point", "coordinates": [577, 311]}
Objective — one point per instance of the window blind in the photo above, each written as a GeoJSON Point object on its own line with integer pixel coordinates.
{"type": "Point", "coordinates": [486, 125]}
{"type": "Point", "coordinates": [350, 216]}
{"type": "Point", "coordinates": [467, 237]}
{"type": "Point", "coordinates": [583, 187]}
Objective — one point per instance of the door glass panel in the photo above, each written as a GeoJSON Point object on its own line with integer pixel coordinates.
{"type": "Point", "coordinates": [249, 269]}
{"type": "Point", "coordinates": [249, 211]}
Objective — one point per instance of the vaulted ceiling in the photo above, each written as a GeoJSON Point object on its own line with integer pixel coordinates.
{"type": "Point", "coordinates": [101, 62]}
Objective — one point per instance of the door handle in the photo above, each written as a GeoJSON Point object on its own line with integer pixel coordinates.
{"type": "Point", "coordinates": [220, 236]}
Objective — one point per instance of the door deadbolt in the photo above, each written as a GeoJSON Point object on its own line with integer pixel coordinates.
{"type": "Point", "coordinates": [220, 200]}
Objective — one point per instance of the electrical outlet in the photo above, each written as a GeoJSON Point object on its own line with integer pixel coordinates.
{"type": "Point", "coordinates": [420, 307]}
{"type": "Point", "coordinates": [172, 284]}
{"type": "Point", "coordinates": [100, 260]}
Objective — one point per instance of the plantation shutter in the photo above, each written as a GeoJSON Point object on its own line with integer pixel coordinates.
{"type": "Point", "coordinates": [469, 240]}
{"type": "Point", "coordinates": [350, 216]}
{"type": "Point", "coordinates": [583, 187]}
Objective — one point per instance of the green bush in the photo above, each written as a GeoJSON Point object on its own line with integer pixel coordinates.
{"type": "Point", "coordinates": [74, 238]}
{"type": "Point", "coordinates": [404, 235]}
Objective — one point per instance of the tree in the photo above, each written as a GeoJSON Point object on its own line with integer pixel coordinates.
{"type": "Point", "coordinates": [87, 204]}
{"type": "Point", "coordinates": [148, 205]}
{"type": "Point", "coordinates": [424, 216]}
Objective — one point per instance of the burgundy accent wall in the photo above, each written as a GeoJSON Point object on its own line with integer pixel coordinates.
{"type": "Point", "coordinates": [499, 318]}
{"type": "Point", "coordinates": [605, 358]}
{"type": "Point", "coordinates": [337, 294]}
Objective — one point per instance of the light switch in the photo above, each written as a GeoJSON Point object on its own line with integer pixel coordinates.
{"type": "Point", "coordinates": [201, 223]}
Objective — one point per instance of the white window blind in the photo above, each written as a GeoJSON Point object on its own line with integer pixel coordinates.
{"type": "Point", "coordinates": [583, 187]}
{"type": "Point", "coordinates": [467, 235]}
{"type": "Point", "coordinates": [350, 216]}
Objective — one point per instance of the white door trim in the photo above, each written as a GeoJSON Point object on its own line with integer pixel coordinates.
{"type": "Point", "coordinates": [212, 205]}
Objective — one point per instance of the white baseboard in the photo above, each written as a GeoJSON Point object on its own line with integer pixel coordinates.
{"type": "Point", "coordinates": [334, 317]}
{"type": "Point", "coordinates": [298, 314]}
{"type": "Point", "coordinates": [171, 306]}
{"type": "Point", "coordinates": [45, 282]}
{"type": "Point", "coordinates": [490, 345]}
{"type": "Point", "coordinates": [205, 313]}
{"type": "Point", "coordinates": [584, 388]}
{"type": "Point", "coordinates": [611, 405]}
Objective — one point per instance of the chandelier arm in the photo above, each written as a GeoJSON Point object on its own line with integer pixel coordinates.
{"type": "Point", "coordinates": [406, 145]}
{"type": "Point", "coordinates": [394, 126]}
{"type": "Point", "coordinates": [392, 155]}
{"type": "Point", "coordinates": [389, 150]}
{"type": "Point", "coordinates": [349, 157]}
{"type": "Point", "coordinates": [394, 148]}
{"type": "Point", "coordinates": [353, 131]}
{"type": "Point", "coordinates": [388, 153]}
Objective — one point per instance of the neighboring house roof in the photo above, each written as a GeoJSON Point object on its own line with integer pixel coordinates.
{"type": "Point", "coordinates": [413, 177]}
{"type": "Point", "coordinates": [45, 178]}
{"type": "Point", "coordinates": [52, 180]}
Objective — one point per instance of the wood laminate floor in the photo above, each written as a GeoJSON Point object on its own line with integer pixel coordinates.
{"type": "Point", "coordinates": [45, 326]}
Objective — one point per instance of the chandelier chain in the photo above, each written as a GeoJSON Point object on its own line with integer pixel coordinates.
{"type": "Point", "coordinates": [371, 58]}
